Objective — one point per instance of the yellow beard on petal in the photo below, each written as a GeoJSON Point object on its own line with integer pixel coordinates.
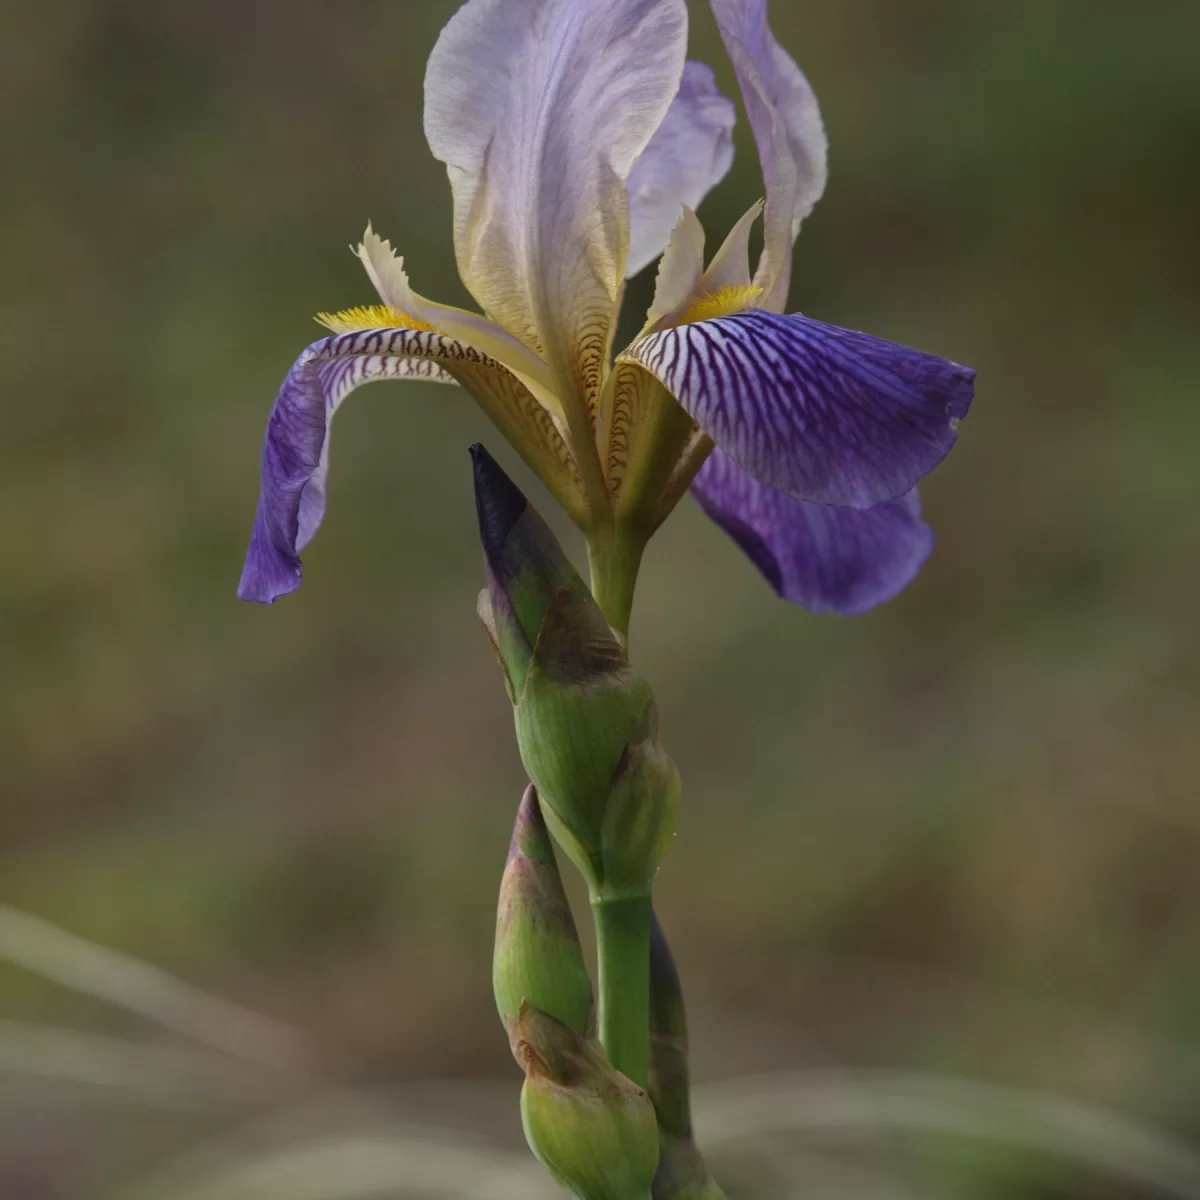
{"type": "Point", "coordinates": [724, 303]}
{"type": "Point", "coordinates": [374, 316]}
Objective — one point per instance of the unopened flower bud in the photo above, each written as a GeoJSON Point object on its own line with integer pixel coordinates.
{"type": "Point", "coordinates": [525, 565]}
{"type": "Point", "coordinates": [641, 813]}
{"type": "Point", "coordinates": [682, 1173]}
{"type": "Point", "coordinates": [537, 956]}
{"type": "Point", "coordinates": [591, 1127]}
{"type": "Point", "coordinates": [587, 726]}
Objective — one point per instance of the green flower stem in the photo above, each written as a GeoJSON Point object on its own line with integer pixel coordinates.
{"type": "Point", "coordinates": [614, 561]}
{"type": "Point", "coordinates": [622, 922]}
{"type": "Point", "coordinates": [623, 950]}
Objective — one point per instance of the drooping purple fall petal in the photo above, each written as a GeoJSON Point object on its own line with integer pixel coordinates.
{"type": "Point", "coordinates": [828, 559]}
{"type": "Point", "coordinates": [295, 459]}
{"type": "Point", "coordinates": [689, 155]}
{"type": "Point", "coordinates": [820, 412]}
{"type": "Point", "coordinates": [786, 122]}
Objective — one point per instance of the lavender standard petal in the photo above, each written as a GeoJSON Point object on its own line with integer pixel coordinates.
{"type": "Point", "coordinates": [828, 559]}
{"type": "Point", "coordinates": [786, 121]}
{"type": "Point", "coordinates": [539, 109]}
{"type": "Point", "coordinates": [689, 155]}
{"type": "Point", "coordinates": [822, 413]}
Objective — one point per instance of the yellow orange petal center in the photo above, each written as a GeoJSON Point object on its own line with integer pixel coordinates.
{"type": "Point", "coordinates": [727, 301]}
{"type": "Point", "coordinates": [372, 316]}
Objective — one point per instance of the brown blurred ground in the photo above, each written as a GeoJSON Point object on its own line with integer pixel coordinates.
{"type": "Point", "coordinates": [960, 834]}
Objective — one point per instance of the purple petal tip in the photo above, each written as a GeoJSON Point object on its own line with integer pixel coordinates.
{"type": "Point", "coordinates": [268, 572]}
{"type": "Point", "coordinates": [822, 557]}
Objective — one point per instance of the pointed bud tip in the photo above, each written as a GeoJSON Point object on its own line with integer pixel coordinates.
{"type": "Point", "coordinates": [530, 837]}
{"type": "Point", "coordinates": [499, 503]}
{"type": "Point", "coordinates": [537, 959]}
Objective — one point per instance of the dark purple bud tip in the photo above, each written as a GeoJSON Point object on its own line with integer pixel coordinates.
{"type": "Point", "coordinates": [499, 504]}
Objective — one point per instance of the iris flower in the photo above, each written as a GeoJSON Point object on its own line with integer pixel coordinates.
{"type": "Point", "coordinates": [579, 140]}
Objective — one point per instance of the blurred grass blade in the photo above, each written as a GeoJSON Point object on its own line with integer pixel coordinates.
{"type": "Point", "coordinates": [408, 1162]}
{"type": "Point", "coordinates": [136, 986]}
{"type": "Point", "coordinates": [1060, 1128]}
{"type": "Point", "coordinates": [164, 1076]}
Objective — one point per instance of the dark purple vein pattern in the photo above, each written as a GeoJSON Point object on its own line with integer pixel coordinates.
{"type": "Point", "coordinates": [822, 413]}
{"type": "Point", "coordinates": [827, 559]}
{"type": "Point", "coordinates": [295, 458]}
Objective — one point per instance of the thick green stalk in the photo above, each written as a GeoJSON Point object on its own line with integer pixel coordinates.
{"type": "Point", "coordinates": [622, 923]}
{"type": "Point", "coordinates": [623, 952]}
{"type": "Point", "coordinates": [614, 560]}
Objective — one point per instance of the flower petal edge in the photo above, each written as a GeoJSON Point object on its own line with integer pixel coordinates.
{"type": "Point", "coordinates": [823, 413]}
{"type": "Point", "coordinates": [824, 558]}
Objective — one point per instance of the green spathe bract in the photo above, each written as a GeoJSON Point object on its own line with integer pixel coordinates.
{"type": "Point", "coordinates": [587, 726]}
{"type": "Point", "coordinates": [588, 731]}
{"type": "Point", "coordinates": [682, 1173]}
{"type": "Point", "coordinates": [641, 814]}
{"type": "Point", "coordinates": [580, 710]}
{"type": "Point", "coordinates": [592, 1128]}
{"type": "Point", "coordinates": [537, 955]}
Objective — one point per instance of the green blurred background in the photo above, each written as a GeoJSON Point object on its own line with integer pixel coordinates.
{"type": "Point", "coordinates": [960, 835]}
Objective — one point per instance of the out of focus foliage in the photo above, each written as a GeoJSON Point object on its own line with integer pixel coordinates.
{"type": "Point", "coordinates": [960, 834]}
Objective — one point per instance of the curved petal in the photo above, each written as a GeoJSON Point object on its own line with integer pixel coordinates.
{"type": "Point", "coordinates": [788, 131]}
{"type": "Point", "coordinates": [828, 559]}
{"type": "Point", "coordinates": [680, 268]}
{"type": "Point", "coordinates": [295, 459]}
{"type": "Point", "coordinates": [689, 155]}
{"type": "Point", "coordinates": [539, 109]}
{"type": "Point", "coordinates": [683, 282]}
{"type": "Point", "coordinates": [386, 271]}
{"type": "Point", "coordinates": [644, 434]}
{"type": "Point", "coordinates": [730, 267]}
{"type": "Point", "coordinates": [823, 413]}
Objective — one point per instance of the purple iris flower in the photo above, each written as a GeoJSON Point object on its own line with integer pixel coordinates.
{"type": "Point", "coordinates": [579, 141]}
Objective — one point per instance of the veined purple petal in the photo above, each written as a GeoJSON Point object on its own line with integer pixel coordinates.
{"type": "Point", "coordinates": [295, 459]}
{"type": "Point", "coordinates": [822, 413]}
{"type": "Point", "coordinates": [828, 559]}
{"type": "Point", "coordinates": [788, 131]}
{"type": "Point", "coordinates": [689, 155]}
